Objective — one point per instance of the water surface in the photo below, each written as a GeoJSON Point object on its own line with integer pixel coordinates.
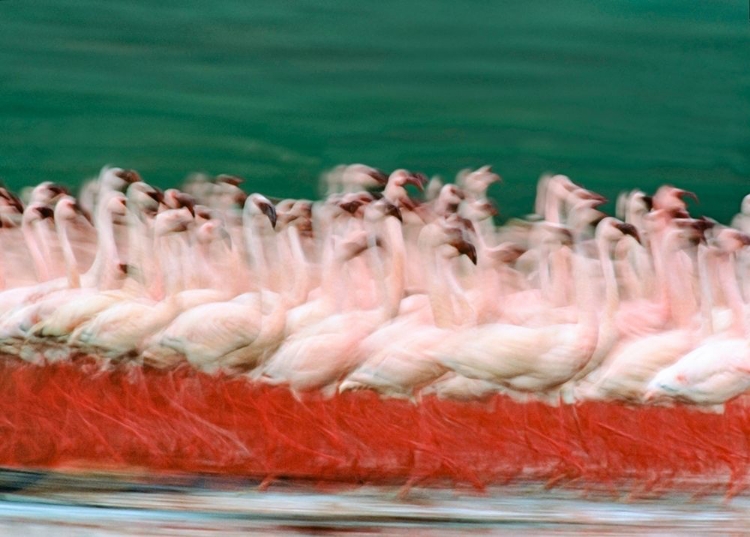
{"type": "Point", "coordinates": [616, 94]}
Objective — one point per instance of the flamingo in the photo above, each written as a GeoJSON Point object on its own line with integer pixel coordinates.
{"type": "Point", "coordinates": [718, 369]}
{"type": "Point", "coordinates": [625, 373]}
{"type": "Point", "coordinates": [207, 334]}
{"type": "Point", "coordinates": [117, 331]}
{"type": "Point", "coordinates": [536, 359]}
{"type": "Point", "coordinates": [298, 361]}
{"type": "Point", "coordinates": [398, 355]}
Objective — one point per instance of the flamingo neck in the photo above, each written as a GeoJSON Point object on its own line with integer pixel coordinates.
{"type": "Point", "coordinates": [731, 288]}
{"type": "Point", "coordinates": [102, 272]}
{"type": "Point", "coordinates": [71, 265]}
{"type": "Point", "coordinates": [333, 276]}
{"type": "Point", "coordinates": [300, 266]}
{"type": "Point", "coordinates": [396, 280]}
{"type": "Point", "coordinates": [707, 292]}
{"type": "Point", "coordinates": [439, 293]}
{"type": "Point", "coordinates": [256, 249]}
{"type": "Point", "coordinates": [32, 243]}
{"type": "Point", "coordinates": [611, 291]}
{"type": "Point", "coordinates": [552, 205]}
{"type": "Point", "coordinates": [673, 294]}
{"type": "Point", "coordinates": [140, 255]}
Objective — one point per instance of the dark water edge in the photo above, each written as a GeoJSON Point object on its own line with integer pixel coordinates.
{"type": "Point", "coordinates": [97, 506]}
{"type": "Point", "coordinates": [616, 94]}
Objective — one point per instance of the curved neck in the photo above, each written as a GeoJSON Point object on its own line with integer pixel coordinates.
{"type": "Point", "coordinates": [140, 258]}
{"type": "Point", "coordinates": [439, 286]}
{"type": "Point", "coordinates": [611, 292]}
{"type": "Point", "coordinates": [103, 270]}
{"type": "Point", "coordinates": [671, 287]}
{"type": "Point", "coordinates": [32, 243]}
{"type": "Point", "coordinates": [439, 292]}
{"type": "Point", "coordinates": [300, 267]}
{"type": "Point", "coordinates": [256, 249]}
{"type": "Point", "coordinates": [584, 288]}
{"type": "Point", "coordinates": [71, 265]}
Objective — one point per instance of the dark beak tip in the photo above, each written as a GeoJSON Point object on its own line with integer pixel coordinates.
{"type": "Point", "coordinates": [270, 211]}
{"type": "Point", "coordinates": [689, 194]}
{"type": "Point", "coordinates": [46, 212]}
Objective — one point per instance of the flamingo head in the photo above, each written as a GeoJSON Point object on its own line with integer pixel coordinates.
{"type": "Point", "coordinates": [48, 192]}
{"type": "Point", "coordinates": [36, 212]}
{"type": "Point", "coordinates": [731, 240]}
{"type": "Point", "coordinates": [450, 198]}
{"type": "Point", "coordinates": [119, 179]}
{"type": "Point", "coordinates": [401, 178]}
{"type": "Point", "coordinates": [381, 209]}
{"type": "Point", "coordinates": [258, 204]}
{"type": "Point", "coordinates": [351, 203]}
{"type": "Point", "coordinates": [172, 221]}
{"type": "Point", "coordinates": [143, 199]}
{"type": "Point", "coordinates": [285, 213]}
{"type": "Point", "coordinates": [116, 207]}
{"type": "Point", "coordinates": [362, 177]}
{"type": "Point", "coordinates": [176, 199]}
{"type": "Point", "coordinates": [478, 181]}
{"type": "Point", "coordinates": [453, 238]}
{"type": "Point", "coordinates": [11, 209]}
{"type": "Point", "coordinates": [464, 247]}
{"type": "Point", "coordinates": [480, 209]}
{"type": "Point", "coordinates": [67, 208]}
{"type": "Point", "coordinates": [672, 198]}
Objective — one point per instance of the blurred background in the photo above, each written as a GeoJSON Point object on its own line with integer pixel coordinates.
{"type": "Point", "coordinates": [614, 94]}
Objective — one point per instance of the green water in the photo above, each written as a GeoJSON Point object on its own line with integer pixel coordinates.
{"type": "Point", "coordinates": [616, 94]}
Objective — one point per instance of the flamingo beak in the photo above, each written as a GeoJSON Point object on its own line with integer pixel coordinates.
{"type": "Point", "coordinates": [229, 179]}
{"type": "Point", "coordinates": [419, 180]}
{"type": "Point", "coordinates": [490, 208]}
{"type": "Point", "coordinates": [270, 211]}
{"type": "Point", "coordinates": [12, 199]}
{"type": "Point", "coordinates": [186, 201]}
{"type": "Point", "coordinates": [597, 199]}
{"type": "Point", "coordinates": [156, 195]}
{"type": "Point", "coordinates": [45, 212]}
{"type": "Point", "coordinates": [687, 194]}
{"type": "Point", "coordinates": [380, 177]}
{"type": "Point", "coordinates": [466, 248]}
{"type": "Point", "coordinates": [58, 190]}
{"type": "Point", "coordinates": [129, 176]}
{"type": "Point", "coordinates": [350, 206]}
{"type": "Point", "coordinates": [629, 229]}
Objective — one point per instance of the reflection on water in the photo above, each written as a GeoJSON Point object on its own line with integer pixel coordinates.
{"type": "Point", "coordinates": [520, 510]}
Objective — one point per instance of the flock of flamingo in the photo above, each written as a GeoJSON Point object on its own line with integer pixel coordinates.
{"type": "Point", "coordinates": [372, 289]}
